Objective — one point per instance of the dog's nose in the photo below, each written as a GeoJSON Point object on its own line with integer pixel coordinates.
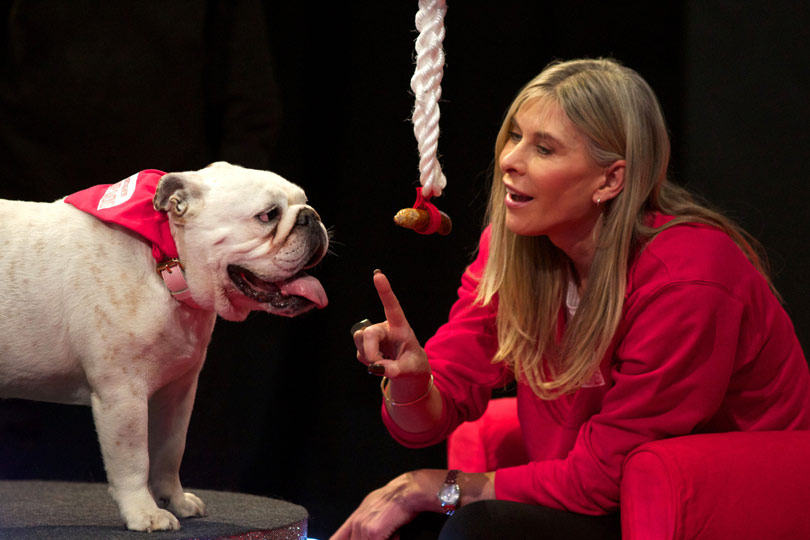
{"type": "Point", "coordinates": [306, 216]}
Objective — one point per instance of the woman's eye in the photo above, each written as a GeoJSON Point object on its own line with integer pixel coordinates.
{"type": "Point", "coordinates": [513, 136]}
{"type": "Point", "coordinates": [267, 217]}
{"type": "Point", "coordinates": [543, 149]}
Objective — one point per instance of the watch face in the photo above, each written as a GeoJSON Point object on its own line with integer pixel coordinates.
{"type": "Point", "coordinates": [449, 494]}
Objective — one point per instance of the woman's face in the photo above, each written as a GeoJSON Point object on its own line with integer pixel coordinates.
{"type": "Point", "coordinates": [550, 178]}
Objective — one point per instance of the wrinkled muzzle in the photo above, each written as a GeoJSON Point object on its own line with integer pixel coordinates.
{"type": "Point", "coordinates": [300, 292]}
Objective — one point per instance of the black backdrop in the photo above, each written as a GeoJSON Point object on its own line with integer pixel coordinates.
{"type": "Point", "coordinates": [283, 409]}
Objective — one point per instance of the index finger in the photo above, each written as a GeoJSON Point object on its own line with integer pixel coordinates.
{"type": "Point", "coordinates": [393, 310]}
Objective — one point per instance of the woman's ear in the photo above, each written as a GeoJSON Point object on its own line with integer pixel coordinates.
{"type": "Point", "coordinates": [613, 182]}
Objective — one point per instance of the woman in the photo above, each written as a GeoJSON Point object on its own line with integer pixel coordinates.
{"type": "Point", "coordinates": [626, 312]}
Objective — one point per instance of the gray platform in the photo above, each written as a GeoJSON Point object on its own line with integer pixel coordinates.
{"type": "Point", "coordinates": [81, 511]}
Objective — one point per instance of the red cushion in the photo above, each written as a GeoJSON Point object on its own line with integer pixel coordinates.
{"type": "Point", "coordinates": [494, 440]}
{"type": "Point", "coordinates": [719, 486]}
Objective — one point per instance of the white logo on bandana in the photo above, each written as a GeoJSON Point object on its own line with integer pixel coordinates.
{"type": "Point", "coordinates": [118, 193]}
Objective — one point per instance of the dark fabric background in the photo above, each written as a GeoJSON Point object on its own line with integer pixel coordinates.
{"type": "Point", "coordinates": [93, 91]}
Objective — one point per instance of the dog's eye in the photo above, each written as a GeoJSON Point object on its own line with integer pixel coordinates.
{"type": "Point", "coordinates": [270, 215]}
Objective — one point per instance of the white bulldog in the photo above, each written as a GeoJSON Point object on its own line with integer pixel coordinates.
{"type": "Point", "coordinates": [88, 320]}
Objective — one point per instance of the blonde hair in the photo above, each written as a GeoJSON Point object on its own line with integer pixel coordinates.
{"type": "Point", "coordinates": [619, 115]}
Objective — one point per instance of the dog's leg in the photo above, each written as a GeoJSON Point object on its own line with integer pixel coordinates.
{"type": "Point", "coordinates": [121, 419]}
{"type": "Point", "coordinates": [169, 414]}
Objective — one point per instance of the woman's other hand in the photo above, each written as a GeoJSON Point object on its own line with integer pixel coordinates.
{"type": "Point", "coordinates": [385, 510]}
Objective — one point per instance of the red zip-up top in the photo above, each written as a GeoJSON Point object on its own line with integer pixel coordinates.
{"type": "Point", "coordinates": [703, 346]}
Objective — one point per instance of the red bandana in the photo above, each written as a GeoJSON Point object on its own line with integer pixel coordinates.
{"type": "Point", "coordinates": [129, 204]}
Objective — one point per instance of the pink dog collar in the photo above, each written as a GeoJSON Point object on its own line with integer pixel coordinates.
{"type": "Point", "coordinates": [174, 277]}
{"type": "Point", "coordinates": [128, 203]}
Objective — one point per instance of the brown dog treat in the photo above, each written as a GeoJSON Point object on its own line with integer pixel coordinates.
{"type": "Point", "coordinates": [418, 219]}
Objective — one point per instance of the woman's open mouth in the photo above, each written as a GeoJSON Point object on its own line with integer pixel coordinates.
{"type": "Point", "coordinates": [515, 198]}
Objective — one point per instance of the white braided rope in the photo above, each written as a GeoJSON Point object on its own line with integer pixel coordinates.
{"type": "Point", "coordinates": [426, 86]}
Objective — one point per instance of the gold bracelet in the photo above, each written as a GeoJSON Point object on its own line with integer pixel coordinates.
{"type": "Point", "coordinates": [384, 385]}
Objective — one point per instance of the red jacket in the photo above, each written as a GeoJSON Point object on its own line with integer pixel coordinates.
{"type": "Point", "coordinates": [703, 346]}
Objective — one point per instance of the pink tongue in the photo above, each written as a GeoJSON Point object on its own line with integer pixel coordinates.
{"type": "Point", "coordinates": [306, 286]}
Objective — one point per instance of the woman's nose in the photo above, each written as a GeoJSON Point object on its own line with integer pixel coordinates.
{"type": "Point", "coordinates": [511, 160]}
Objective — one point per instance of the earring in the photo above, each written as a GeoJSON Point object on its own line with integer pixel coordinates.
{"type": "Point", "coordinates": [598, 200]}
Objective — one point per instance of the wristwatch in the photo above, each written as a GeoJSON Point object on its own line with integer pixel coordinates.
{"type": "Point", "coordinates": [450, 493]}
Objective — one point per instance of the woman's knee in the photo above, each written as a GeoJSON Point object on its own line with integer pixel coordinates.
{"type": "Point", "coordinates": [473, 521]}
{"type": "Point", "coordinates": [485, 520]}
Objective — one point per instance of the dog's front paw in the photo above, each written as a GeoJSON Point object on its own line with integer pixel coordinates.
{"type": "Point", "coordinates": [151, 520]}
{"type": "Point", "coordinates": [187, 506]}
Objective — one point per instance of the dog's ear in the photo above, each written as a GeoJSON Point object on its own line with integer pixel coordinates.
{"type": "Point", "coordinates": [174, 193]}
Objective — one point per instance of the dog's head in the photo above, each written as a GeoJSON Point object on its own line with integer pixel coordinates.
{"type": "Point", "coordinates": [245, 238]}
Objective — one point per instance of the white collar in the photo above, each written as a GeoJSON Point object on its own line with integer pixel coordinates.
{"type": "Point", "coordinates": [571, 297]}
